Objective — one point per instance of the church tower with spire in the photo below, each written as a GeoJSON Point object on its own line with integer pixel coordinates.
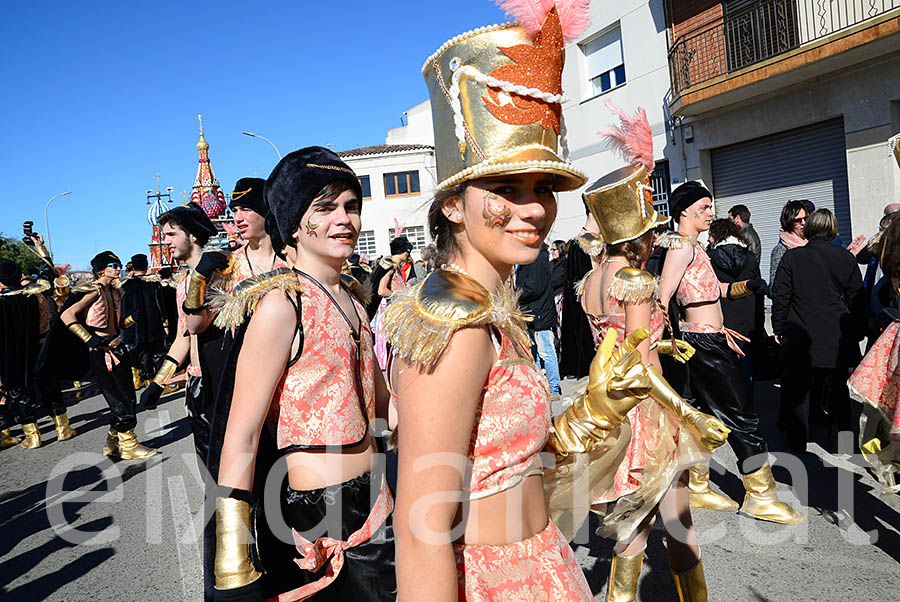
{"type": "Point", "coordinates": [208, 194]}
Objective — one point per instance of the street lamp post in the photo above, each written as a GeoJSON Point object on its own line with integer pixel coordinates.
{"type": "Point", "coordinates": [46, 221]}
{"type": "Point", "coordinates": [252, 135]}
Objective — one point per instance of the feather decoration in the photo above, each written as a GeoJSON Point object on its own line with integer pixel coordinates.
{"type": "Point", "coordinates": [398, 228]}
{"type": "Point", "coordinates": [633, 138]}
{"type": "Point", "coordinates": [530, 14]}
{"type": "Point", "coordinates": [235, 307]}
{"type": "Point", "coordinates": [581, 284]}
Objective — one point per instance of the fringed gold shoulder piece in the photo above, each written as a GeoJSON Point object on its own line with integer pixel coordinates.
{"type": "Point", "coordinates": [39, 287]}
{"type": "Point", "coordinates": [420, 320]}
{"type": "Point", "coordinates": [673, 240]}
{"type": "Point", "coordinates": [579, 286]}
{"type": "Point", "coordinates": [355, 287]}
{"type": "Point", "coordinates": [590, 243]}
{"type": "Point", "coordinates": [87, 287]}
{"type": "Point", "coordinates": [150, 278]}
{"type": "Point", "coordinates": [631, 285]}
{"type": "Point", "coordinates": [386, 263]}
{"type": "Point", "coordinates": [234, 308]}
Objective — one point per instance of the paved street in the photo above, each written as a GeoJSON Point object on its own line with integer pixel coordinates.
{"type": "Point", "coordinates": [137, 533]}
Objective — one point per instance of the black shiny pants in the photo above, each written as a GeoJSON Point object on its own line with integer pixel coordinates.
{"type": "Point", "coordinates": [719, 385]}
{"type": "Point", "coordinates": [117, 388]}
{"type": "Point", "coordinates": [338, 511]}
{"type": "Point", "coordinates": [199, 411]}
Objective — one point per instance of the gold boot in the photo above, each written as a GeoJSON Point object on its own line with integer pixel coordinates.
{"type": "Point", "coordinates": [701, 494]}
{"type": "Point", "coordinates": [136, 378]}
{"type": "Point", "coordinates": [623, 578]}
{"type": "Point", "coordinates": [7, 440]}
{"type": "Point", "coordinates": [63, 430]}
{"type": "Point", "coordinates": [32, 436]}
{"type": "Point", "coordinates": [111, 448]}
{"type": "Point", "coordinates": [691, 584]}
{"type": "Point", "coordinates": [130, 449]}
{"type": "Point", "coordinates": [762, 502]}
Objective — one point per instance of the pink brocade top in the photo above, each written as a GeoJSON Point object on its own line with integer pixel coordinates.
{"type": "Point", "coordinates": [699, 283]}
{"type": "Point", "coordinates": [316, 402]}
{"type": "Point", "coordinates": [512, 424]}
{"type": "Point", "coordinates": [599, 323]}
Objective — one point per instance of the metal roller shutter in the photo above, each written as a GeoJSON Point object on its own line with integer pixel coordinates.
{"type": "Point", "coordinates": [765, 173]}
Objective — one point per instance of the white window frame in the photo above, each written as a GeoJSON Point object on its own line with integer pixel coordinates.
{"type": "Point", "coordinates": [366, 237]}
{"type": "Point", "coordinates": [415, 234]}
{"type": "Point", "coordinates": [599, 59]}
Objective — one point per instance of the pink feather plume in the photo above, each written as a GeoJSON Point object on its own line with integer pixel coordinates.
{"type": "Point", "coordinates": [62, 270]}
{"type": "Point", "coordinates": [632, 138]}
{"type": "Point", "coordinates": [573, 14]}
{"type": "Point", "coordinates": [398, 228]}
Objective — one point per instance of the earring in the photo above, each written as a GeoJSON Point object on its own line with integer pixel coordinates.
{"type": "Point", "coordinates": [459, 216]}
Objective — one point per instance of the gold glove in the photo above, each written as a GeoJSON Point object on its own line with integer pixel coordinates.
{"type": "Point", "coordinates": [166, 371]}
{"type": "Point", "coordinates": [128, 322]}
{"type": "Point", "coordinates": [80, 331]}
{"type": "Point", "coordinates": [196, 293]}
{"type": "Point", "coordinates": [617, 383]}
{"type": "Point", "coordinates": [681, 351]}
{"type": "Point", "coordinates": [233, 567]}
{"type": "Point", "coordinates": [709, 430]}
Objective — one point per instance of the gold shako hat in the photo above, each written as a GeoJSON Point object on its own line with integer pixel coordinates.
{"type": "Point", "coordinates": [895, 148]}
{"type": "Point", "coordinates": [622, 200]}
{"type": "Point", "coordinates": [496, 102]}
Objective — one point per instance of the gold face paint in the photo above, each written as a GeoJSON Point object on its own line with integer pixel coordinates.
{"type": "Point", "coordinates": [495, 214]}
{"type": "Point", "coordinates": [699, 214]}
{"type": "Point", "coordinates": [311, 228]}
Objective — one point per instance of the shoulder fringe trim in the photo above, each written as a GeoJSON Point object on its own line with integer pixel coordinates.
{"type": "Point", "coordinates": [421, 338]}
{"type": "Point", "coordinates": [633, 288]}
{"type": "Point", "coordinates": [592, 244]}
{"type": "Point", "coordinates": [87, 287]}
{"type": "Point", "coordinates": [672, 240]}
{"type": "Point", "coordinates": [579, 286]}
{"type": "Point", "coordinates": [356, 288]}
{"type": "Point", "coordinates": [234, 308]}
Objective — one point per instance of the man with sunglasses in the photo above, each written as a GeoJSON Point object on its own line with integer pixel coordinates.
{"type": "Point", "coordinates": [99, 308]}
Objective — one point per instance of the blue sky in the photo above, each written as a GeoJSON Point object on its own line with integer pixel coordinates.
{"type": "Point", "coordinates": [100, 96]}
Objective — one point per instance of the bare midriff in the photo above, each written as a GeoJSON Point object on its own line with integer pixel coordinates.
{"type": "Point", "coordinates": [316, 469]}
{"type": "Point", "coordinates": [705, 313]}
{"type": "Point", "coordinates": [506, 517]}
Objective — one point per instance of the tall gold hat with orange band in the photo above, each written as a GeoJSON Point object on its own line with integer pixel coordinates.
{"type": "Point", "coordinates": [496, 95]}
{"type": "Point", "coordinates": [622, 200]}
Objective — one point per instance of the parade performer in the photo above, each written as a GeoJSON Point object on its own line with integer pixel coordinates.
{"type": "Point", "coordinates": [143, 333]}
{"type": "Point", "coordinates": [24, 321]}
{"type": "Point", "coordinates": [186, 230]}
{"type": "Point", "coordinates": [876, 381]}
{"type": "Point", "coordinates": [99, 306]}
{"type": "Point", "coordinates": [257, 256]}
{"type": "Point", "coordinates": [716, 378]}
{"type": "Point", "coordinates": [474, 410]}
{"type": "Point", "coordinates": [306, 371]}
{"type": "Point", "coordinates": [668, 435]}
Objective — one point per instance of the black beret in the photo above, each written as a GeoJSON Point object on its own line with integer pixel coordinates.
{"type": "Point", "coordinates": [248, 193]}
{"type": "Point", "coordinates": [139, 262]}
{"type": "Point", "coordinates": [10, 274]}
{"type": "Point", "coordinates": [400, 244]}
{"type": "Point", "coordinates": [193, 219]}
{"type": "Point", "coordinates": [686, 195]}
{"type": "Point", "coordinates": [298, 179]}
{"type": "Point", "coordinates": [102, 260]}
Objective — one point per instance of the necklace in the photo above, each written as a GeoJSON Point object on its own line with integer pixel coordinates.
{"type": "Point", "coordinates": [617, 259]}
{"type": "Point", "coordinates": [250, 263]}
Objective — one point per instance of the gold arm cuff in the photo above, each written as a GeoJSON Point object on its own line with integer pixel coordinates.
{"type": "Point", "coordinates": [128, 322]}
{"type": "Point", "coordinates": [166, 372]}
{"type": "Point", "coordinates": [233, 567]}
{"type": "Point", "coordinates": [79, 331]}
{"type": "Point", "coordinates": [42, 252]}
{"type": "Point", "coordinates": [196, 293]}
{"type": "Point", "coordinates": [738, 290]}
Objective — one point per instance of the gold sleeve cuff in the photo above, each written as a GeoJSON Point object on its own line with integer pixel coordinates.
{"type": "Point", "coordinates": [166, 372]}
{"type": "Point", "coordinates": [233, 568]}
{"type": "Point", "coordinates": [738, 290]}
{"type": "Point", "coordinates": [79, 331]}
{"type": "Point", "coordinates": [128, 322]}
{"type": "Point", "coordinates": [42, 252]}
{"type": "Point", "coordinates": [196, 292]}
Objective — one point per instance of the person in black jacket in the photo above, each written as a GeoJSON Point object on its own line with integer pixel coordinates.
{"type": "Point", "coordinates": [534, 282]}
{"type": "Point", "coordinates": [818, 315]}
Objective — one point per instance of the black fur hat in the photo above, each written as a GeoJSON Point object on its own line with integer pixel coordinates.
{"type": "Point", "coordinates": [139, 262]}
{"type": "Point", "coordinates": [400, 244]}
{"type": "Point", "coordinates": [686, 195]}
{"type": "Point", "coordinates": [248, 193]}
{"type": "Point", "coordinates": [298, 179]}
{"type": "Point", "coordinates": [192, 219]}
{"type": "Point", "coordinates": [10, 274]}
{"type": "Point", "coordinates": [104, 259]}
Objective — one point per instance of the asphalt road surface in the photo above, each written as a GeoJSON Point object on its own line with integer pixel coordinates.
{"type": "Point", "coordinates": [76, 526]}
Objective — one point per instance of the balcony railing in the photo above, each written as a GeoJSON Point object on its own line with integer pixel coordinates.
{"type": "Point", "coordinates": [751, 31]}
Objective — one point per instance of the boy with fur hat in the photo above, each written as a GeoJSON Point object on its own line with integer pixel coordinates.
{"type": "Point", "coordinates": [257, 256]}
{"type": "Point", "coordinates": [143, 333]}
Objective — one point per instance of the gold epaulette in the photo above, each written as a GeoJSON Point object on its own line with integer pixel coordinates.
{"type": "Point", "coordinates": [150, 278]}
{"type": "Point", "coordinates": [633, 285]}
{"type": "Point", "coordinates": [590, 243]}
{"type": "Point", "coordinates": [421, 319]}
{"type": "Point", "coordinates": [386, 263]}
{"type": "Point", "coordinates": [87, 287]}
{"type": "Point", "coordinates": [355, 287]}
{"type": "Point", "coordinates": [39, 287]}
{"type": "Point", "coordinates": [233, 308]}
{"type": "Point", "coordinates": [673, 240]}
{"type": "Point", "coordinates": [579, 286]}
